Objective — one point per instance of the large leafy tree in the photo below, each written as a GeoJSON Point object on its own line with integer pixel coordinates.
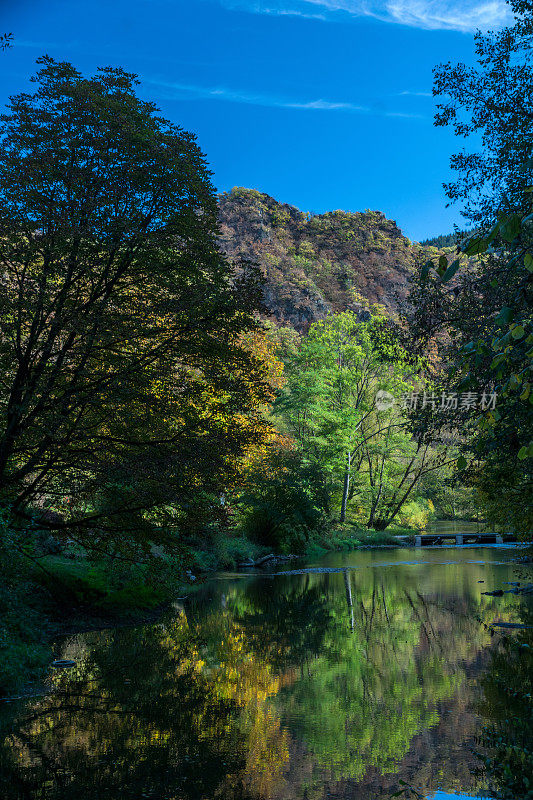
{"type": "Point", "coordinates": [492, 102]}
{"type": "Point", "coordinates": [362, 439]}
{"type": "Point", "coordinates": [486, 307]}
{"type": "Point", "coordinates": [125, 387]}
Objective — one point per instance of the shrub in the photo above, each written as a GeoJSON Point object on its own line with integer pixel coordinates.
{"type": "Point", "coordinates": [283, 505]}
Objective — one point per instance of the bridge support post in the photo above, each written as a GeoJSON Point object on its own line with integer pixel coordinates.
{"type": "Point", "coordinates": [418, 541]}
{"type": "Point", "coordinates": [499, 538]}
{"type": "Point", "coordinates": [459, 538]}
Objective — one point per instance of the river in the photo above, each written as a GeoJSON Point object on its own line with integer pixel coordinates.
{"type": "Point", "coordinates": [354, 676]}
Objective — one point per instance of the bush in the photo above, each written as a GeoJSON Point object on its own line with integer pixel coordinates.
{"type": "Point", "coordinates": [285, 530]}
{"type": "Point", "coordinates": [283, 506]}
{"type": "Point", "coordinates": [416, 514]}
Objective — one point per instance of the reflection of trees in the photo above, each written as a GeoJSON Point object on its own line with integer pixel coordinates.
{"type": "Point", "coordinates": [384, 662]}
{"type": "Point", "coordinates": [257, 694]}
{"type": "Point", "coordinates": [286, 627]}
{"type": "Point", "coordinates": [139, 718]}
{"type": "Point", "coordinates": [371, 690]}
{"type": "Point", "coordinates": [508, 709]}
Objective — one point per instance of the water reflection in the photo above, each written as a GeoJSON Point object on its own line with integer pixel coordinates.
{"type": "Point", "coordinates": [507, 708]}
{"type": "Point", "coordinates": [336, 684]}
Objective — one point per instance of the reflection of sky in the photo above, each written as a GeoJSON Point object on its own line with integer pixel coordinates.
{"type": "Point", "coordinates": [447, 796]}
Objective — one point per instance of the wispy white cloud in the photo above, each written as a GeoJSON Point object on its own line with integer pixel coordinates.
{"type": "Point", "coordinates": [457, 15]}
{"type": "Point", "coordinates": [291, 12]}
{"type": "Point", "coordinates": [184, 91]}
{"type": "Point", "coordinates": [320, 105]}
{"type": "Point", "coordinates": [278, 8]}
{"type": "Point", "coordinates": [181, 91]}
{"type": "Point", "coordinates": [409, 93]}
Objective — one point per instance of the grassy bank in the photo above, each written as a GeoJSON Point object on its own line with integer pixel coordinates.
{"type": "Point", "coordinates": [225, 551]}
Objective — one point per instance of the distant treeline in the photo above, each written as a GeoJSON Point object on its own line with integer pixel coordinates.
{"type": "Point", "coordinates": [445, 239]}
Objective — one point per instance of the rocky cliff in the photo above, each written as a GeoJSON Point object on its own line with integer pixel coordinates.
{"type": "Point", "coordinates": [314, 264]}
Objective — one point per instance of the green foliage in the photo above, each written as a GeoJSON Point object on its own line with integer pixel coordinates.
{"type": "Point", "coordinates": [416, 513]}
{"type": "Point", "coordinates": [502, 354]}
{"type": "Point", "coordinates": [284, 504]}
{"type": "Point", "coordinates": [450, 496]}
{"type": "Point", "coordinates": [105, 585]}
{"type": "Point", "coordinates": [491, 102]}
{"type": "Point", "coordinates": [366, 450]}
{"type": "Point", "coordinates": [479, 317]}
{"type": "Point", "coordinates": [350, 536]}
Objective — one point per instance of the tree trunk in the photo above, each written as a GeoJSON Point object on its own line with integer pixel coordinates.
{"type": "Point", "coordinates": [371, 522]}
{"type": "Point", "coordinates": [346, 488]}
{"type": "Point", "coordinates": [348, 588]}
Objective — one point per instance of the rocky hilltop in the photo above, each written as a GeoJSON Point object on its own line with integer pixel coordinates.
{"type": "Point", "coordinates": [314, 264]}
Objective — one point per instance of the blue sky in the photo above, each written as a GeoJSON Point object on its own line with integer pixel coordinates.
{"type": "Point", "coordinates": [324, 104]}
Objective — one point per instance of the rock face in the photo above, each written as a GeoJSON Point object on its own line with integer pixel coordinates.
{"type": "Point", "coordinates": [315, 264]}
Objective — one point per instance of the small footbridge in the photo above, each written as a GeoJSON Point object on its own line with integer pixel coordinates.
{"type": "Point", "coordinates": [432, 539]}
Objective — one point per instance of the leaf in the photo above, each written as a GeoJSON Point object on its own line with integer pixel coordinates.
{"type": "Point", "coordinates": [493, 232]}
{"type": "Point", "coordinates": [461, 462]}
{"type": "Point", "coordinates": [505, 316]}
{"type": "Point", "coordinates": [475, 245]}
{"type": "Point", "coordinates": [517, 332]}
{"type": "Point", "coordinates": [499, 359]}
{"type": "Point", "coordinates": [510, 228]}
{"type": "Point", "coordinates": [450, 272]}
{"type": "Point", "coordinates": [466, 382]}
{"type": "Point", "coordinates": [523, 453]}
{"type": "Point", "coordinates": [528, 262]}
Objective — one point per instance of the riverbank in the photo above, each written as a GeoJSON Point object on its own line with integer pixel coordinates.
{"type": "Point", "coordinates": [68, 593]}
{"type": "Point", "coordinates": [227, 551]}
{"type": "Point", "coordinates": [65, 593]}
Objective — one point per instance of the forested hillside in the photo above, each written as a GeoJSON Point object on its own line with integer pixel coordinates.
{"type": "Point", "coordinates": [318, 263]}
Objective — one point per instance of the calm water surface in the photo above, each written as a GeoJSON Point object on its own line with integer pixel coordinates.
{"type": "Point", "coordinates": [332, 679]}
